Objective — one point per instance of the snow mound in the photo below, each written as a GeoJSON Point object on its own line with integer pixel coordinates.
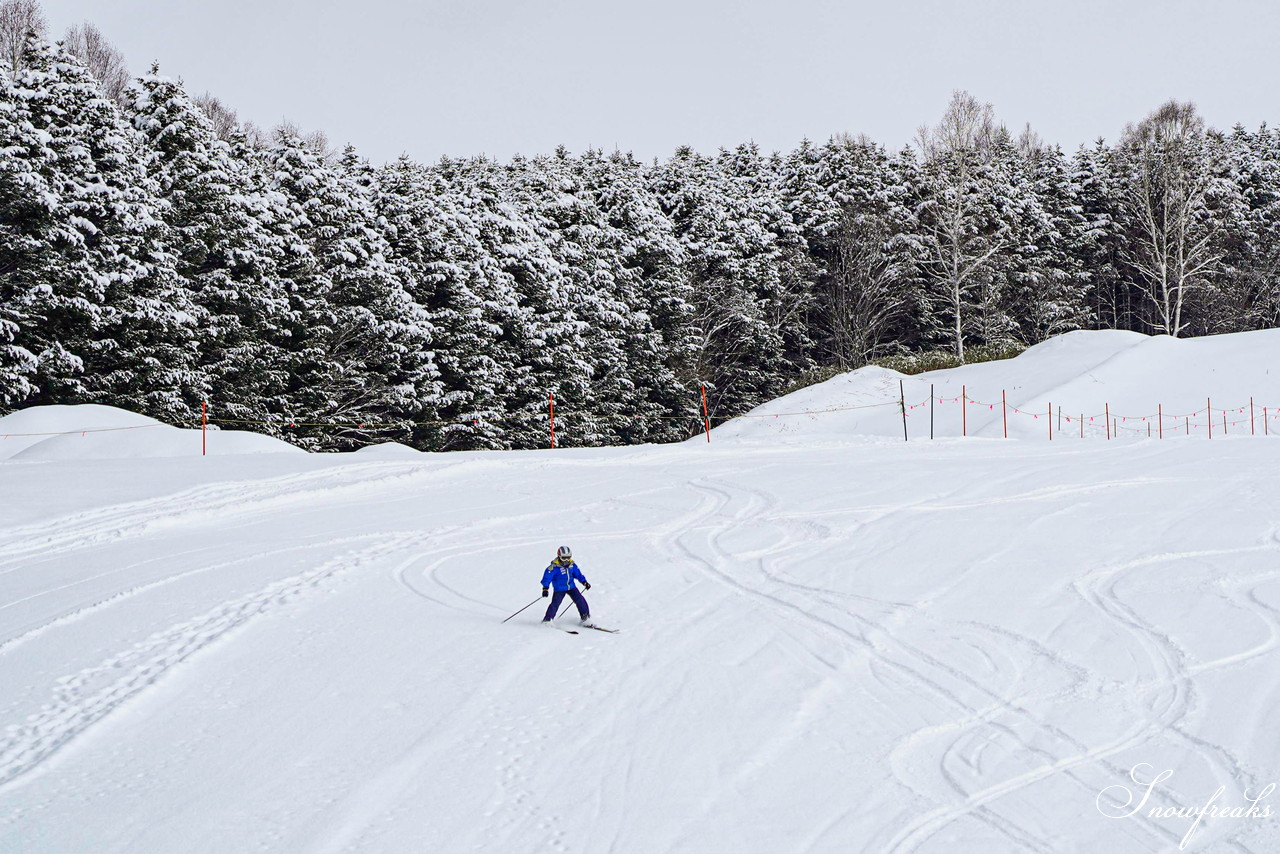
{"type": "Point", "coordinates": [388, 450]}
{"type": "Point", "coordinates": [859, 403]}
{"type": "Point", "coordinates": [1085, 373]}
{"type": "Point", "coordinates": [95, 432]}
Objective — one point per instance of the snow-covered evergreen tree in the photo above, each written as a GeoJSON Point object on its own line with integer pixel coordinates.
{"type": "Point", "coordinates": [853, 207]}
{"type": "Point", "coordinates": [1052, 294]}
{"type": "Point", "coordinates": [1097, 245]}
{"type": "Point", "coordinates": [609, 364]}
{"type": "Point", "coordinates": [749, 288]}
{"type": "Point", "coordinates": [652, 287]}
{"type": "Point", "coordinates": [27, 204]}
{"type": "Point", "coordinates": [439, 224]}
{"type": "Point", "coordinates": [519, 289]}
{"type": "Point", "coordinates": [360, 344]}
{"type": "Point", "coordinates": [1031, 292]}
{"type": "Point", "coordinates": [111, 321]}
{"type": "Point", "coordinates": [786, 292]}
{"type": "Point", "coordinates": [1248, 293]}
{"type": "Point", "coordinates": [231, 240]}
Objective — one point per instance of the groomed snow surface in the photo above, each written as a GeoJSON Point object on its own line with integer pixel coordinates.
{"type": "Point", "coordinates": [831, 640]}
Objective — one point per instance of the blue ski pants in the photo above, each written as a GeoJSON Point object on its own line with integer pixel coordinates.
{"type": "Point", "coordinates": [558, 596]}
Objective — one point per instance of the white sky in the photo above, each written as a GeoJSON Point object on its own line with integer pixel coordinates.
{"type": "Point", "coordinates": [459, 77]}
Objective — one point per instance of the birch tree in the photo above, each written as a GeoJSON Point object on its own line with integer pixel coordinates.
{"type": "Point", "coordinates": [955, 212]}
{"type": "Point", "coordinates": [1173, 247]}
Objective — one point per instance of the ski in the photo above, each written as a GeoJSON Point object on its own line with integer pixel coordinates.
{"type": "Point", "coordinates": [597, 628]}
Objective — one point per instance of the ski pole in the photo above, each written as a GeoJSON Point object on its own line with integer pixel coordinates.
{"type": "Point", "coordinates": [525, 608]}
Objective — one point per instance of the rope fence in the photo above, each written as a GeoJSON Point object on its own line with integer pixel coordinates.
{"type": "Point", "coordinates": [82, 432]}
{"type": "Point", "coordinates": [1058, 422]}
{"type": "Point", "coordinates": [1066, 422]}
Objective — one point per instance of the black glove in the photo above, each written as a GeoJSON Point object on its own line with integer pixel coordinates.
{"type": "Point", "coordinates": [586, 585]}
{"type": "Point", "coordinates": [544, 593]}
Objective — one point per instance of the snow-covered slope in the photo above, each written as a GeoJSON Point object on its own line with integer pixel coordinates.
{"type": "Point", "coordinates": [92, 432]}
{"type": "Point", "coordinates": [830, 642]}
{"type": "Point", "coordinates": [1132, 375]}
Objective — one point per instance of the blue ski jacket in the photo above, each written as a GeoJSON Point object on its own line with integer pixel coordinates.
{"type": "Point", "coordinates": [562, 577]}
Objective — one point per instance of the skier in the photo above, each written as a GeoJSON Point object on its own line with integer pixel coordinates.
{"type": "Point", "coordinates": [561, 575]}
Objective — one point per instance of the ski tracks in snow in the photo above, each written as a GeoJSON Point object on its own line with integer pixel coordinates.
{"type": "Point", "coordinates": [866, 626]}
{"type": "Point", "coordinates": [82, 699]}
{"type": "Point", "coordinates": [495, 735]}
{"type": "Point", "coordinates": [211, 502]}
{"type": "Point", "coordinates": [861, 635]}
{"type": "Point", "coordinates": [85, 698]}
{"type": "Point", "coordinates": [123, 595]}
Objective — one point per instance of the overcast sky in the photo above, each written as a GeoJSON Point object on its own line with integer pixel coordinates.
{"type": "Point", "coordinates": [500, 77]}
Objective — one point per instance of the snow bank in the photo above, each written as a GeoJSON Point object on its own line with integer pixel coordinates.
{"type": "Point", "coordinates": [93, 432]}
{"type": "Point", "coordinates": [1081, 372]}
{"type": "Point", "coordinates": [389, 450]}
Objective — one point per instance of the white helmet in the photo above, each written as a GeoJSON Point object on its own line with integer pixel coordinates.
{"type": "Point", "coordinates": [563, 553]}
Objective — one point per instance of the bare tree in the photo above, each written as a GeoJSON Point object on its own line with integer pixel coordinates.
{"type": "Point", "coordinates": [967, 125]}
{"type": "Point", "coordinates": [725, 322]}
{"type": "Point", "coordinates": [224, 119]}
{"type": "Point", "coordinates": [18, 19]}
{"type": "Point", "coordinates": [316, 140]}
{"type": "Point", "coordinates": [256, 136]}
{"type": "Point", "coordinates": [1174, 247]}
{"type": "Point", "coordinates": [958, 248]}
{"type": "Point", "coordinates": [866, 296]}
{"type": "Point", "coordinates": [859, 140]}
{"type": "Point", "coordinates": [958, 242]}
{"type": "Point", "coordinates": [1030, 144]}
{"type": "Point", "coordinates": [87, 43]}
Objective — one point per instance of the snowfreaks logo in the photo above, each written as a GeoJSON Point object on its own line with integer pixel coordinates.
{"type": "Point", "coordinates": [1135, 800]}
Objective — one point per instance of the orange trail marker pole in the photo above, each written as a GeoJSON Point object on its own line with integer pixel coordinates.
{"type": "Point", "coordinates": [706, 420]}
